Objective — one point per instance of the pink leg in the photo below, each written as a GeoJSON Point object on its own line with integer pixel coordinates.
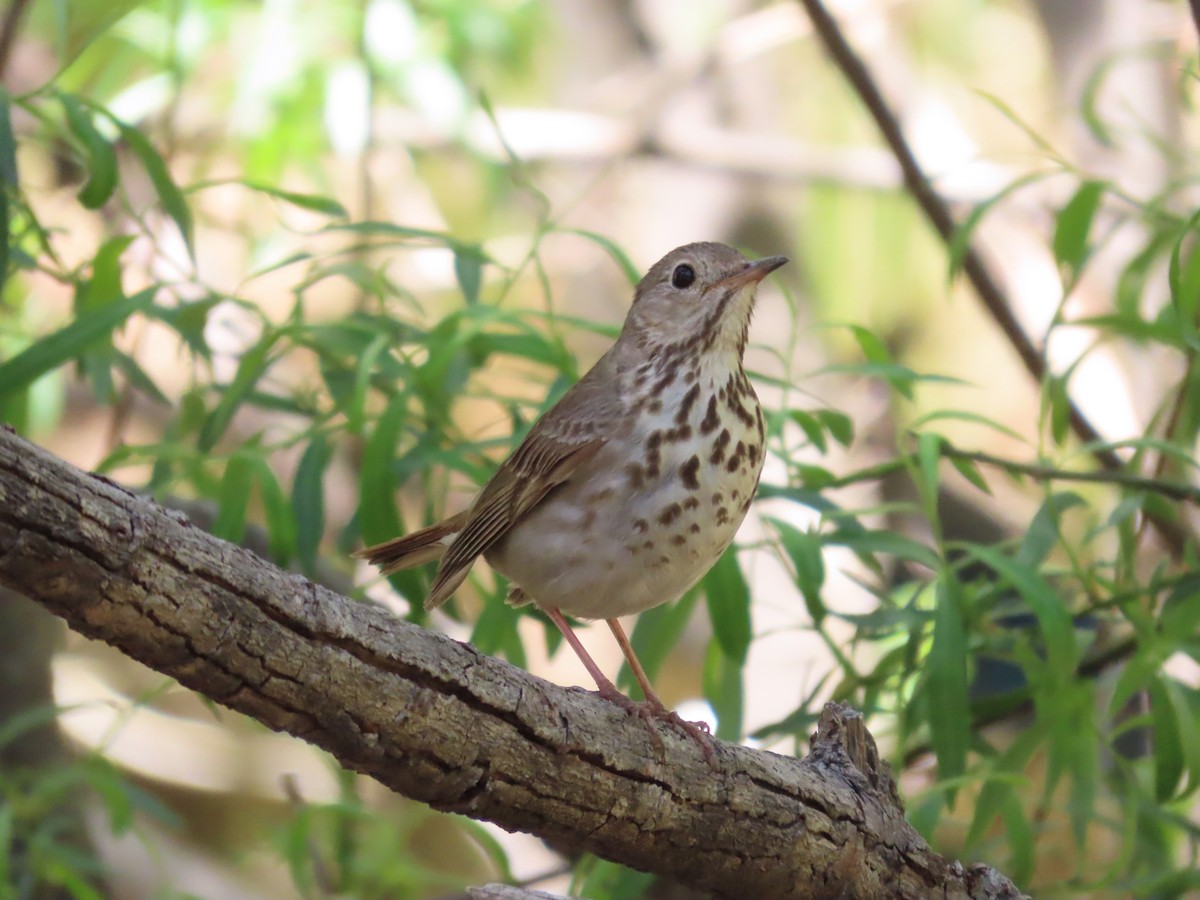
{"type": "Point", "coordinates": [608, 690]}
{"type": "Point", "coordinates": [698, 731]}
{"type": "Point", "coordinates": [635, 664]}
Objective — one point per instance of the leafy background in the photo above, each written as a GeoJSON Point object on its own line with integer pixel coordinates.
{"type": "Point", "coordinates": [304, 270]}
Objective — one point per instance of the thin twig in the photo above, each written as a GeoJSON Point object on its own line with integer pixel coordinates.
{"type": "Point", "coordinates": [1175, 490]}
{"type": "Point", "coordinates": [935, 209]}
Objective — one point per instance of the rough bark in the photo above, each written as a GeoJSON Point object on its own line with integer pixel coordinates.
{"type": "Point", "coordinates": [437, 721]}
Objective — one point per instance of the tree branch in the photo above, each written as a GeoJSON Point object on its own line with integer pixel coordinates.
{"type": "Point", "coordinates": [437, 721]}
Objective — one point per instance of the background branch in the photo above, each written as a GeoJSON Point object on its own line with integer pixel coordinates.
{"type": "Point", "coordinates": [935, 209]}
{"type": "Point", "coordinates": [439, 722]}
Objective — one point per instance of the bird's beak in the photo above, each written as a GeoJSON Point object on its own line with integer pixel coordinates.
{"type": "Point", "coordinates": [754, 272]}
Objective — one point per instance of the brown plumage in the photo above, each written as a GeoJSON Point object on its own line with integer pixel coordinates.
{"type": "Point", "coordinates": [598, 512]}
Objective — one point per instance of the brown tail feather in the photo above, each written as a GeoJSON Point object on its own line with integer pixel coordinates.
{"type": "Point", "coordinates": [414, 549]}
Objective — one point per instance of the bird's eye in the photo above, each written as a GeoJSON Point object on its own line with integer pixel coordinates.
{"type": "Point", "coordinates": [683, 276]}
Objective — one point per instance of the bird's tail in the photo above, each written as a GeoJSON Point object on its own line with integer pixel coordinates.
{"type": "Point", "coordinates": [414, 549]}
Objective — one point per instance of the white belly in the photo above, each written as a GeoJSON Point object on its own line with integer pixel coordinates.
{"type": "Point", "coordinates": [644, 520]}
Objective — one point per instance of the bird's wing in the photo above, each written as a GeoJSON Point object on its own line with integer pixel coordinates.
{"type": "Point", "coordinates": [559, 443]}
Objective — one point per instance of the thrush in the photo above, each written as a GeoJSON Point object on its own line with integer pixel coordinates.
{"type": "Point", "coordinates": [628, 490]}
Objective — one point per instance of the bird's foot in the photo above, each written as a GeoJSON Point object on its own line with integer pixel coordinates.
{"type": "Point", "coordinates": [653, 710]}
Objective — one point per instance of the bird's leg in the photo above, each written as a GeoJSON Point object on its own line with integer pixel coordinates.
{"type": "Point", "coordinates": [607, 689]}
{"type": "Point", "coordinates": [697, 730]}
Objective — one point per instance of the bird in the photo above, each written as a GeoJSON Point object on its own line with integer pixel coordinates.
{"type": "Point", "coordinates": [631, 487]}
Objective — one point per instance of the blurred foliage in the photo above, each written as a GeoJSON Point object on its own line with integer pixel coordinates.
{"type": "Point", "coordinates": [1060, 634]}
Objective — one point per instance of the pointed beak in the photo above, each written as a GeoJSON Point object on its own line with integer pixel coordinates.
{"type": "Point", "coordinates": [754, 272]}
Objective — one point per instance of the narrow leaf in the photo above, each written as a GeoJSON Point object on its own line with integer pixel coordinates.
{"type": "Point", "coordinates": [729, 606]}
{"type": "Point", "coordinates": [308, 500]}
{"type": "Point", "coordinates": [101, 162]}
{"type": "Point", "coordinates": [67, 343]}
{"type": "Point", "coordinates": [169, 194]}
{"type": "Point", "coordinates": [949, 710]}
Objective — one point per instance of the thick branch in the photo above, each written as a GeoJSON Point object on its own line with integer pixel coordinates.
{"type": "Point", "coordinates": [437, 721]}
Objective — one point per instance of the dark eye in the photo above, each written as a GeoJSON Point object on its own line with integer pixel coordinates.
{"type": "Point", "coordinates": [683, 276]}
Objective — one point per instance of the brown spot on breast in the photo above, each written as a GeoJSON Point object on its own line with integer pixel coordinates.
{"type": "Point", "coordinates": [719, 445]}
{"type": "Point", "coordinates": [688, 472]}
{"type": "Point", "coordinates": [637, 476]}
{"type": "Point", "coordinates": [655, 440]}
{"type": "Point", "coordinates": [641, 526]}
{"type": "Point", "coordinates": [717, 498]}
{"type": "Point", "coordinates": [711, 420]}
{"type": "Point", "coordinates": [691, 503]}
{"type": "Point", "coordinates": [694, 528]}
{"type": "Point", "coordinates": [648, 545]}
{"type": "Point", "coordinates": [746, 505]}
{"type": "Point", "coordinates": [722, 515]}
{"type": "Point", "coordinates": [679, 540]}
{"type": "Point", "coordinates": [686, 404]}
{"type": "Point", "coordinates": [752, 453]}
{"type": "Point", "coordinates": [670, 514]}
{"type": "Point", "coordinates": [758, 415]}
{"type": "Point", "coordinates": [677, 434]}
{"type": "Point", "coordinates": [655, 406]}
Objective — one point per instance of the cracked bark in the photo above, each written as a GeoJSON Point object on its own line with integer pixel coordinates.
{"type": "Point", "coordinates": [439, 722]}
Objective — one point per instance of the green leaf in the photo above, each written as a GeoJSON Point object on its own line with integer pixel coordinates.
{"type": "Point", "coordinates": [837, 424]}
{"type": "Point", "coordinates": [8, 146]}
{"type": "Point", "coordinates": [169, 194]}
{"type": "Point", "coordinates": [997, 792]}
{"type": "Point", "coordinates": [312, 202]}
{"type": "Point", "coordinates": [1168, 749]}
{"type": "Point", "coordinates": [729, 606]}
{"type": "Point", "coordinates": [67, 343]}
{"type": "Point", "coordinates": [138, 378]}
{"type": "Point", "coordinates": [1051, 612]}
{"type": "Point", "coordinates": [804, 550]}
{"type": "Point", "coordinates": [620, 257]}
{"type": "Point", "coordinates": [250, 369]}
{"type": "Point", "coordinates": [234, 496]}
{"type": "Point", "coordinates": [1071, 247]}
{"type": "Point", "coordinates": [468, 269]}
{"type": "Point", "coordinates": [308, 499]}
{"type": "Point", "coordinates": [1188, 730]}
{"type": "Point", "coordinates": [1060, 408]}
{"type": "Point", "coordinates": [1043, 532]}
{"type": "Point", "coordinates": [1183, 276]}
{"type": "Point", "coordinates": [872, 347]}
{"type": "Point", "coordinates": [968, 470]}
{"type": "Point", "coordinates": [104, 286]}
{"type": "Point", "coordinates": [949, 709]}
{"type": "Point", "coordinates": [723, 689]}
{"type": "Point", "coordinates": [378, 519]}
{"type": "Point", "coordinates": [812, 428]}
{"type": "Point", "coordinates": [281, 526]}
{"type": "Point", "coordinates": [101, 162]}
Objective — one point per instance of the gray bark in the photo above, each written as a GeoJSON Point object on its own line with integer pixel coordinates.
{"type": "Point", "coordinates": [439, 722]}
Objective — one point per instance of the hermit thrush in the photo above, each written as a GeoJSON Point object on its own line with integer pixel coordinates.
{"type": "Point", "coordinates": [631, 487]}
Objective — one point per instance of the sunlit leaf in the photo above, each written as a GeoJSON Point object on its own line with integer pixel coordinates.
{"type": "Point", "coordinates": [949, 711]}
{"type": "Point", "coordinates": [308, 499]}
{"type": "Point", "coordinates": [169, 195]}
{"type": "Point", "coordinates": [252, 366]}
{"type": "Point", "coordinates": [804, 550]}
{"type": "Point", "coordinates": [234, 497]}
{"type": "Point", "coordinates": [101, 164]}
{"type": "Point", "coordinates": [1074, 225]}
{"type": "Point", "coordinates": [69, 342]}
{"type": "Point", "coordinates": [722, 680]}
{"type": "Point", "coordinates": [728, 600]}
